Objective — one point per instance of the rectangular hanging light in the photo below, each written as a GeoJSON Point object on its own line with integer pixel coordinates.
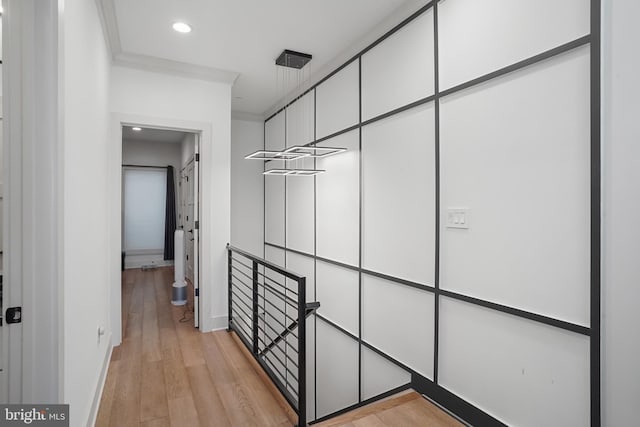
{"type": "Point", "coordinates": [293, 172]}
{"type": "Point", "coordinates": [316, 152]}
{"type": "Point", "coordinates": [275, 155]}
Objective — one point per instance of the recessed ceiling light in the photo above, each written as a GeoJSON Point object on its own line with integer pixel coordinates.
{"type": "Point", "coordinates": [137, 129]}
{"type": "Point", "coordinates": [182, 27]}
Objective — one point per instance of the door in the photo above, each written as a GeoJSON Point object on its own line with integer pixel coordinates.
{"type": "Point", "coordinates": [190, 213]}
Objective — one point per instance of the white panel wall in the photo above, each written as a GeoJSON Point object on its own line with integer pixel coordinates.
{"type": "Point", "coordinates": [399, 195]}
{"type": "Point", "coordinates": [516, 152]}
{"type": "Point", "coordinates": [300, 213]}
{"type": "Point", "coordinates": [274, 138]}
{"type": "Point", "coordinates": [336, 369]}
{"type": "Point", "coordinates": [304, 266]}
{"type": "Point", "coordinates": [274, 210]}
{"type": "Point", "coordinates": [399, 70]}
{"type": "Point", "coordinates": [388, 308]}
{"type": "Point", "coordinates": [621, 241]}
{"type": "Point", "coordinates": [478, 37]}
{"type": "Point", "coordinates": [338, 101]}
{"type": "Point", "coordinates": [380, 375]}
{"type": "Point", "coordinates": [521, 372]}
{"type": "Point", "coordinates": [300, 120]}
{"type": "Point", "coordinates": [247, 192]}
{"type": "Point", "coordinates": [338, 295]}
{"type": "Point", "coordinates": [337, 201]}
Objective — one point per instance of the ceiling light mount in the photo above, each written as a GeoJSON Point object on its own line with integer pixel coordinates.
{"type": "Point", "coordinates": [293, 59]}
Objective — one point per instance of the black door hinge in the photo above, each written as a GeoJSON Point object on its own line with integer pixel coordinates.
{"type": "Point", "coordinates": [197, 157]}
{"type": "Point", "coordinates": [13, 315]}
{"type": "Point", "coordinates": [198, 292]}
{"type": "Point", "coordinates": [197, 225]}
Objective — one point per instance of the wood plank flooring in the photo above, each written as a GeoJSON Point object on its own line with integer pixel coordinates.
{"type": "Point", "coordinates": [168, 374]}
{"type": "Point", "coordinates": [406, 410]}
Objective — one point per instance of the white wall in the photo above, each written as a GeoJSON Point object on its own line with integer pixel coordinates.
{"type": "Point", "coordinates": [621, 242]}
{"type": "Point", "coordinates": [85, 238]}
{"type": "Point", "coordinates": [151, 153]}
{"type": "Point", "coordinates": [513, 150]}
{"type": "Point", "coordinates": [247, 214]}
{"type": "Point", "coordinates": [155, 99]}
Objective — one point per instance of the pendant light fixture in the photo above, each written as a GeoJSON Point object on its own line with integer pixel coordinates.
{"type": "Point", "coordinates": [297, 60]}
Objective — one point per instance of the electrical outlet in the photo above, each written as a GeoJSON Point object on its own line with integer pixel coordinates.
{"type": "Point", "coordinates": [458, 218]}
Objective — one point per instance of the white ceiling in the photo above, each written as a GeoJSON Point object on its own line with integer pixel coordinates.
{"type": "Point", "coordinates": [154, 135]}
{"type": "Point", "coordinates": [240, 39]}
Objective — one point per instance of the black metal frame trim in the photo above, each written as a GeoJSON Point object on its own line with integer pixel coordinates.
{"type": "Point", "coordinates": [440, 395]}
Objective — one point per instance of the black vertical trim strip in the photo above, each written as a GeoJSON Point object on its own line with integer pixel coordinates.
{"type": "Point", "coordinates": [360, 230]}
{"type": "Point", "coordinates": [436, 308]}
{"type": "Point", "coordinates": [315, 261]}
{"type": "Point", "coordinates": [595, 356]}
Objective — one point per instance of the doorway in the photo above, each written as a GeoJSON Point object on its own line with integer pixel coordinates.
{"type": "Point", "coordinates": [160, 195]}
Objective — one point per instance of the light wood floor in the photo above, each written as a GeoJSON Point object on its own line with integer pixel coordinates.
{"type": "Point", "coordinates": [406, 410]}
{"type": "Point", "coordinates": [167, 373]}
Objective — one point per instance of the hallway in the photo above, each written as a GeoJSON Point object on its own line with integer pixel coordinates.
{"type": "Point", "coordinates": [166, 373]}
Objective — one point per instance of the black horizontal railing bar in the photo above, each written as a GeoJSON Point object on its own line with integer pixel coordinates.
{"type": "Point", "coordinates": [568, 326]}
{"type": "Point", "coordinates": [243, 303]}
{"type": "Point", "coordinates": [236, 286]}
{"type": "Point", "coordinates": [281, 358]}
{"type": "Point", "coordinates": [266, 311]}
{"type": "Point", "coordinates": [275, 334]}
{"type": "Point", "coordinates": [236, 260]}
{"type": "Point", "coordinates": [274, 377]}
{"type": "Point", "coordinates": [237, 307]}
{"type": "Point", "coordinates": [365, 402]}
{"type": "Point", "coordinates": [288, 273]}
{"type": "Point", "coordinates": [284, 298]}
{"type": "Point", "coordinates": [282, 285]}
{"type": "Point", "coordinates": [270, 358]}
{"type": "Point", "coordinates": [243, 273]}
{"type": "Point", "coordinates": [288, 331]}
{"type": "Point", "coordinates": [519, 65]}
{"type": "Point", "coordinates": [572, 327]}
{"type": "Point", "coordinates": [356, 56]}
{"type": "Point", "coordinates": [286, 354]}
{"type": "Point", "coordinates": [277, 308]}
{"type": "Point", "coordinates": [243, 322]}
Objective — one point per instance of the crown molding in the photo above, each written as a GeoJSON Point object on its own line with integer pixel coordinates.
{"type": "Point", "coordinates": [176, 68]}
{"type": "Point", "coordinates": [246, 116]}
{"type": "Point", "coordinates": [109, 21]}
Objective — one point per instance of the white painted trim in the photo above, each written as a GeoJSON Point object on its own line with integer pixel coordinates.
{"type": "Point", "coordinates": [109, 21]}
{"type": "Point", "coordinates": [175, 68]}
{"type": "Point", "coordinates": [219, 323]}
{"type": "Point", "coordinates": [205, 129]}
{"type": "Point", "coordinates": [102, 379]}
{"type": "Point", "coordinates": [32, 191]}
{"type": "Point", "coordinates": [249, 117]}
{"type": "Point", "coordinates": [107, 14]}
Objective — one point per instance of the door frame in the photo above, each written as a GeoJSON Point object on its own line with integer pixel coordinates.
{"type": "Point", "coordinates": [204, 130]}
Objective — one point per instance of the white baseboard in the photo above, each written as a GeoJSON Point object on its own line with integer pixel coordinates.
{"type": "Point", "coordinates": [95, 405]}
{"type": "Point", "coordinates": [215, 324]}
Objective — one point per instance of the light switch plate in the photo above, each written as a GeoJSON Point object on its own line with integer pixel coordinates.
{"type": "Point", "coordinates": [458, 218]}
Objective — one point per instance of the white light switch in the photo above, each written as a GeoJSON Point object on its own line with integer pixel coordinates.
{"type": "Point", "coordinates": [458, 217]}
